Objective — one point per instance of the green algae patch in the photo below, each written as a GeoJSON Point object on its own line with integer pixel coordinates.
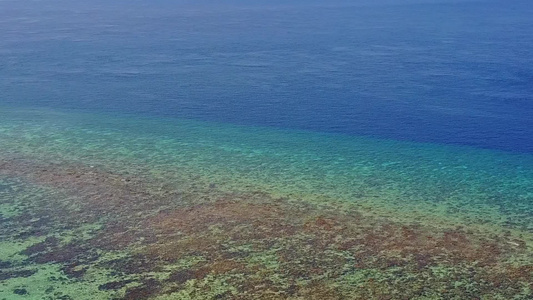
{"type": "Point", "coordinates": [50, 282]}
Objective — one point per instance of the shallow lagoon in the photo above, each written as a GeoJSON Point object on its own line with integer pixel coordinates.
{"type": "Point", "coordinates": [109, 206]}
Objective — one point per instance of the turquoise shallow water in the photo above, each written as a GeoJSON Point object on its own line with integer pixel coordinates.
{"type": "Point", "coordinates": [73, 183]}
{"type": "Point", "coordinates": [453, 180]}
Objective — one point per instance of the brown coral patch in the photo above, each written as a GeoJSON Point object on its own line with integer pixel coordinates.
{"type": "Point", "coordinates": [114, 285]}
{"type": "Point", "coordinates": [229, 213]}
{"type": "Point", "coordinates": [147, 289]}
{"type": "Point", "coordinates": [8, 274]}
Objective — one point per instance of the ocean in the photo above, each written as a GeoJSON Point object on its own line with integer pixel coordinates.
{"type": "Point", "coordinates": [266, 150]}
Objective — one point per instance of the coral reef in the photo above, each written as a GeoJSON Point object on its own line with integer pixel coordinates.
{"type": "Point", "coordinates": [220, 245]}
{"type": "Point", "coordinates": [100, 207]}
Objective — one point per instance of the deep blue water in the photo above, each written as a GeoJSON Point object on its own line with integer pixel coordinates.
{"type": "Point", "coordinates": [451, 72]}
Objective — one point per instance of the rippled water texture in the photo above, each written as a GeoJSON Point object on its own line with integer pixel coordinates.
{"type": "Point", "coordinates": [252, 150]}
{"type": "Point", "coordinates": [441, 71]}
